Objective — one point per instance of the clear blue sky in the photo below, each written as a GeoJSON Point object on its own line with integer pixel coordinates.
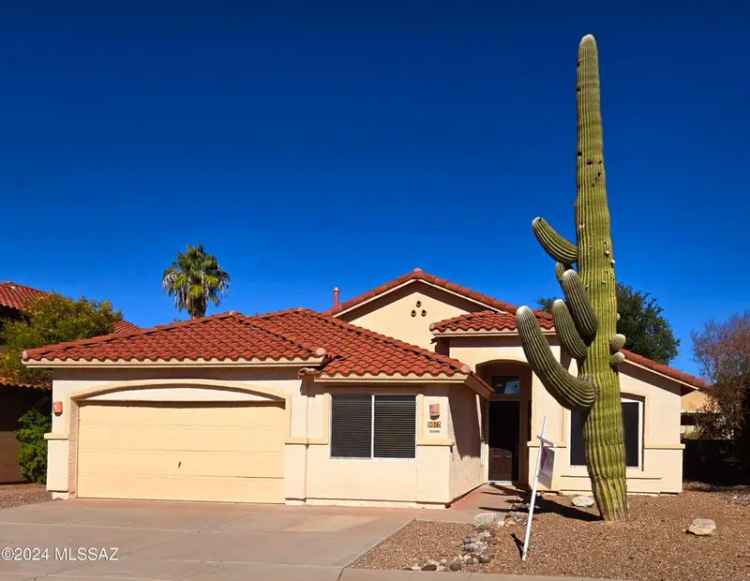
{"type": "Point", "coordinates": [314, 144]}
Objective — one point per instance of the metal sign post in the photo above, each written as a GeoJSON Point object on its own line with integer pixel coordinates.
{"type": "Point", "coordinates": [545, 446]}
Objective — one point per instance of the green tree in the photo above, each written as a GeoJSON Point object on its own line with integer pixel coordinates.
{"type": "Point", "coordinates": [51, 319]}
{"type": "Point", "coordinates": [32, 453]}
{"type": "Point", "coordinates": [646, 330]}
{"type": "Point", "coordinates": [194, 279]}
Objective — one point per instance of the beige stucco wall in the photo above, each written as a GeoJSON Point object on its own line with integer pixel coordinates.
{"type": "Point", "coordinates": [440, 471]}
{"type": "Point", "coordinates": [392, 314]}
{"type": "Point", "coordinates": [694, 401]}
{"type": "Point", "coordinates": [661, 469]}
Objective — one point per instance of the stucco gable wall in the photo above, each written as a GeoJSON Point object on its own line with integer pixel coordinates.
{"type": "Point", "coordinates": [408, 312]}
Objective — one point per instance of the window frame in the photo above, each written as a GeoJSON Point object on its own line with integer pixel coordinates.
{"type": "Point", "coordinates": [641, 434]}
{"type": "Point", "coordinates": [372, 456]}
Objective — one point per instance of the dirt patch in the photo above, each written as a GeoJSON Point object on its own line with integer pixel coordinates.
{"type": "Point", "coordinates": [651, 545]}
{"type": "Point", "coordinates": [18, 494]}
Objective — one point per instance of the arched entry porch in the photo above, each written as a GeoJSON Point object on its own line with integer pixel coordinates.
{"type": "Point", "coordinates": [508, 420]}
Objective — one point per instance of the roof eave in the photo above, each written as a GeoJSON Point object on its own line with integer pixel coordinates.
{"type": "Point", "coordinates": [171, 363]}
{"type": "Point", "coordinates": [368, 300]}
{"type": "Point", "coordinates": [469, 379]}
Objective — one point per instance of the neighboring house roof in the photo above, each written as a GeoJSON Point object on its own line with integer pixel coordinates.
{"type": "Point", "coordinates": [7, 382]}
{"type": "Point", "coordinates": [420, 275]}
{"type": "Point", "coordinates": [18, 296]}
{"type": "Point", "coordinates": [489, 322]}
{"type": "Point", "coordinates": [124, 327]}
{"type": "Point", "coordinates": [338, 349]}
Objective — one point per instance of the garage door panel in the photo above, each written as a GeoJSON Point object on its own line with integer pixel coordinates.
{"type": "Point", "coordinates": [188, 463]}
{"type": "Point", "coordinates": [136, 436]}
{"type": "Point", "coordinates": [185, 488]}
{"type": "Point", "coordinates": [182, 452]}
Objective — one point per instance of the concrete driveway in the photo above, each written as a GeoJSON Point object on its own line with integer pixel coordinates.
{"type": "Point", "coordinates": [187, 540]}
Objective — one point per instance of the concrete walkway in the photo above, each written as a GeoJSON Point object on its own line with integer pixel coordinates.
{"type": "Point", "coordinates": [193, 541]}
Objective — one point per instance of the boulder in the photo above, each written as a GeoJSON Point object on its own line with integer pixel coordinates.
{"type": "Point", "coordinates": [702, 527]}
{"type": "Point", "coordinates": [430, 566]}
{"type": "Point", "coordinates": [456, 564]}
{"type": "Point", "coordinates": [583, 501]}
{"type": "Point", "coordinates": [485, 558]}
{"type": "Point", "coordinates": [485, 520]}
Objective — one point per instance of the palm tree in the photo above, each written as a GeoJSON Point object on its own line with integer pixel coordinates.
{"type": "Point", "coordinates": [193, 279]}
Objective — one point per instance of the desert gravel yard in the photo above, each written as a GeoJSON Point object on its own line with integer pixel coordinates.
{"type": "Point", "coordinates": [652, 545]}
{"type": "Point", "coordinates": [25, 493]}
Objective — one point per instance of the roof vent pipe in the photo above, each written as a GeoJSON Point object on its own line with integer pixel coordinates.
{"type": "Point", "coordinates": [336, 296]}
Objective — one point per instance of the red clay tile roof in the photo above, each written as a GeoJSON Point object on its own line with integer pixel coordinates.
{"type": "Point", "coordinates": [419, 275]}
{"type": "Point", "coordinates": [296, 334]}
{"type": "Point", "coordinates": [487, 321]}
{"type": "Point", "coordinates": [356, 351]}
{"type": "Point", "coordinates": [17, 296]}
{"type": "Point", "coordinates": [492, 321]}
{"type": "Point", "coordinates": [7, 382]}
{"type": "Point", "coordinates": [224, 337]}
{"type": "Point", "coordinates": [124, 327]}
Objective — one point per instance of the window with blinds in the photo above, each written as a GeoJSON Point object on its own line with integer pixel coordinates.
{"type": "Point", "coordinates": [632, 413]}
{"type": "Point", "coordinates": [394, 431]}
{"type": "Point", "coordinates": [351, 426]}
{"type": "Point", "coordinates": [367, 426]}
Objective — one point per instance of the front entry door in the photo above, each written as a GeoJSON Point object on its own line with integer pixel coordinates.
{"type": "Point", "coordinates": [504, 440]}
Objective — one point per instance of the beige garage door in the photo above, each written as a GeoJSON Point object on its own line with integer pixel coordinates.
{"type": "Point", "coordinates": [181, 452]}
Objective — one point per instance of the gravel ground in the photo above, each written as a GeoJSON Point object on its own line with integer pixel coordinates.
{"type": "Point", "coordinates": [652, 545]}
{"type": "Point", "coordinates": [18, 494]}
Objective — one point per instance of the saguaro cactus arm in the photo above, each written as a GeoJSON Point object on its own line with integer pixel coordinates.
{"type": "Point", "coordinates": [553, 243]}
{"type": "Point", "coordinates": [580, 305]}
{"type": "Point", "coordinates": [566, 330]}
{"type": "Point", "coordinates": [568, 390]}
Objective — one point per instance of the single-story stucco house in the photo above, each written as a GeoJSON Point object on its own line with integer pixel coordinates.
{"type": "Point", "coordinates": [411, 394]}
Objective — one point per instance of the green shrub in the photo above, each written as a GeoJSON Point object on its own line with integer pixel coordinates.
{"type": "Point", "coordinates": [32, 457]}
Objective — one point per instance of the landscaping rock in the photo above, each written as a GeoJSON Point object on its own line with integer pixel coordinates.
{"type": "Point", "coordinates": [485, 558]}
{"type": "Point", "coordinates": [484, 535]}
{"type": "Point", "coordinates": [702, 527]}
{"type": "Point", "coordinates": [430, 566]}
{"type": "Point", "coordinates": [583, 501]}
{"type": "Point", "coordinates": [485, 520]}
{"type": "Point", "coordinates": [456, 564]}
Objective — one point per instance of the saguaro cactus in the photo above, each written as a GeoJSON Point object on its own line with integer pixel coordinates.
{"type": "Point", "coordinates": [586, 320]}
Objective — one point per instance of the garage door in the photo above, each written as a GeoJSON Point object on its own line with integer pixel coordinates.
{"type": "Point", "coordinates": [181, 452]}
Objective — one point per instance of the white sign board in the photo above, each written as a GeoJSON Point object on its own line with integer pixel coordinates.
{"type": "Point", "coordinates": [547, 467]}
{"type": "Point", "coordinates": [545, 464]}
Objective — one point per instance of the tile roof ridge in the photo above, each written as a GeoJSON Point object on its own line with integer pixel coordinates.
{"type": "Point", "coordinates": [419, 274]}
{"type": "Point", "coordinates": [649, 363]}
{"type": "Point", "coordinates": [25, 286]}
{"type": "Point", "coordinates": [62, 346]}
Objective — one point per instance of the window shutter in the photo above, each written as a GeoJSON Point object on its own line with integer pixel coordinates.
{"type": "Point", "coordinates": [395, 426]}
{"type": "Point", "coordinates": [351, 425]}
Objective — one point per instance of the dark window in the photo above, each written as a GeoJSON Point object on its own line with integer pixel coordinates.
{"type": "Point", "coordinates": [351, 426]}
{"type": "Point", "coordinates": [392, 434]}
{"type": "Point", "coordinates": [395, 426]}
{"type": "Point", "coordinates": [631, 418]}
{"type": "Point", "coordinates": [506, 385]}
{"type": "Point", "coordinates": [631, 421]}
